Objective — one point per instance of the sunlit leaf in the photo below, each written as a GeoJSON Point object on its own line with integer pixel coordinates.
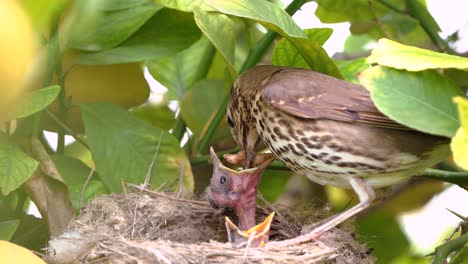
{"type": "Point", "coordinates": [99, 25]}
{"type": "Point", "coordinates": [334, 11]}
{"type": "Point", "coordinates": [218, 28]}
{"type": "Point", "coordinates": [285, 54]}
{"type": "Point", "coordinates": [15, 166]}
{"type": "Point", "coordinates": [459, 143]}
{"type": "Point", "coordinates": [182, 5]}
{"type": "Point", "coordinates": [114, 5]}
{"type": "Point", "coordinates": [274, 18]}
{"type": "Point", "coordinates": [43, 12]}
{"type": "Point", "coordinates": [123, 148]}
{"type": "Point", "coordinates": [393, 54]}
{"type": "Point", "coordinates": [165, 34]}
{"type": "Point", "coordinates": [37, 100]}
{"type": "Point", "coordinates": [420, 100]}
{"type": "Point", "coordinates": [178, 72]}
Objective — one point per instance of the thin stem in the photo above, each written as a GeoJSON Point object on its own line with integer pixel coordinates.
{"type": "Point", "coordinates": [206, 139]}
{"type": "Point", "coordinates": [427, 22]}
{"type": "Point", "coordinates": [457, 177]}
{"type": "Point", "coordinates": [377, 20]}
{"type": "Point", "coordinates": [53, 59]}
{"type": "Point", "coordinates": [255, 55]}
{"type": "Point", "coordinates": [391, 6]}
{"type": "Point", "coordinates": [63, 111]}
{"type": "Point", "coordinates": [66, 128]}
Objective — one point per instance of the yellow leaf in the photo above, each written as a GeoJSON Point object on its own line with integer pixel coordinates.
{"type": "Point", "coordinates": [460, 148]}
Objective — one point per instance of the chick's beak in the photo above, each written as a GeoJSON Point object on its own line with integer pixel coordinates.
{"type": "Point", "coordinates": [256, 236]}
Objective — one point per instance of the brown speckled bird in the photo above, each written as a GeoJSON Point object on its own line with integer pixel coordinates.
{"type": "Point", "coordinates": [328, 130]}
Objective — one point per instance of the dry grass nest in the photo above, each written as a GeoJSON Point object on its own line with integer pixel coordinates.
{"type": "Point", "coordinates": [156, 227]}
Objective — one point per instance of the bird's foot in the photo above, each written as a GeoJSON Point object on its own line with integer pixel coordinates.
{"type": "Point", "coordinates": [256, 236]}
{"type": "Point", "coordinates": [239, 158]}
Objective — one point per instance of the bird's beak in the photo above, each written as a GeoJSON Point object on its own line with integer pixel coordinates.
{"type": "Point", "coordinates": [256, 160]}
{"type": "Point", "coordinates": [256, 236]}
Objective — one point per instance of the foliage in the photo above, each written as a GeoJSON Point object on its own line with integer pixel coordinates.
{"type": "Point", "coordinates": [89, 82]}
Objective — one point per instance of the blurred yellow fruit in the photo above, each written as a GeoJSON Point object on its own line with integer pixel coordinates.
{"type": "Point", "coordinates": [17, 49]}
{"type": "Point", "coordinates": [120, 84]}
{"type": "Point", "coordinates": [12, 253]}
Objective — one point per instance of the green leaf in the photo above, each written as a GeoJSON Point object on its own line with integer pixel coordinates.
{"type": "Point", "coordinates": [37, 100]}
{"type": "Point", "coordinates": [200, 105]}
{"type": "Point", "coordinates": [351, 68]}
{"type": "Point", "coordinates": [181, 5]}
{"type": "Point", "coordinates": [264, 12]}
{"type": "Point", "coordinates": [115, 5]}
{"type": "Point", "coordinates": [43, 12]}
{"type": "Point", "coordinates": [75, 173]}
{"type": "Point", "coordinates": [272, 188]}
{"type": "Point", "coordinates": [286, 55]}
{"type": "Point", "coordinates": [357, 44]}
{"type": "Point", "coordinates": [157, 115]}
{"type": "Point", "coordinates": [276, 19]}
{"type": "Point", "coordinates": [8, 228]}
{"type": "Point", "coordinates": [393, 54]}
{"type": "Point", "coordinates": [165, 34]}
{"type": "Point", "coordinates": [123, 148]}
{"type": "Point", "coordinates": [335, 11]}
{"type": "Point", "coordinates": [459, 143]}
{"type": "Point", "coordinates": [15, 166]}
{"type": "Point", "coordinates": [420, 100]}
{"type": "Point", "coordinates": [99, 25]}
{"type": "Point", "coordinates": [219, 29]}
{"type": "Point", "coordinates": [380, 230]}
{"type": "Point", "coordinates": [177, 73]}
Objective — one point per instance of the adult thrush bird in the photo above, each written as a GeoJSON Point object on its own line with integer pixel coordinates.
{"type": "Point", "coordinates": [326, 129]}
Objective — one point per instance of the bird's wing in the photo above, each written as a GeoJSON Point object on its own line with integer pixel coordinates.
{"type": "Point", "coordinates": [313, 95]}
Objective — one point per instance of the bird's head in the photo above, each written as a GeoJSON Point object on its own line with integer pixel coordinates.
{"type": "Point", "coordinates": [240, 116]}
{"type": "Point", "coordinates": [236, 191]}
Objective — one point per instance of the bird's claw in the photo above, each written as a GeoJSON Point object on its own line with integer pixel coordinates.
{"type": "Point", "coordinates": [256, 236]}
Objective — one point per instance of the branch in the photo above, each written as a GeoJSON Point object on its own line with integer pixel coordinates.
{"type": "Point", "coordinates": [457, 177]}
{"type": "Point", "coordinates": [427, 22]}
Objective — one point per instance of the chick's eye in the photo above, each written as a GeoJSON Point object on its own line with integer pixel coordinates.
{"type": "Point", "coordinates": [222, 180]}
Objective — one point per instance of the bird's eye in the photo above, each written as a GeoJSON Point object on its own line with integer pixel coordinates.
{"type": "Point", "coordinates": [229, 120]}
{"type": "Point", "coordinates": [223, 180]}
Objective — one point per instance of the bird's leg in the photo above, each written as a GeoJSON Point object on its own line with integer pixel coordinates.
{"type": "Point", "coordinates": [366, 195]}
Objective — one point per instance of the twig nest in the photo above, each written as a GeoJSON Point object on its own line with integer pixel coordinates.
{"type": "Point", "coordinates": [155, 227]}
